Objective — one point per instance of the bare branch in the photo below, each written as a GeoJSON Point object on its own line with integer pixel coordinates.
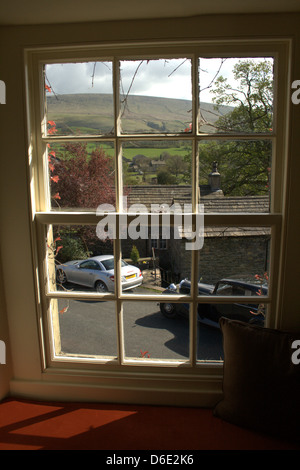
{"type": "Point", "coordinates": [176, 68]}
{"type": "Point", "coordinates": [93, 74]}
{"type": "Point", "coordinates": [215, 76]}
{"type": "Point", "coordinates": [131, 83]}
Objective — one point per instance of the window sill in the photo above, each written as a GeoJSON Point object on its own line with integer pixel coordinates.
{"type": "Point", "coordinates": [202, 387]}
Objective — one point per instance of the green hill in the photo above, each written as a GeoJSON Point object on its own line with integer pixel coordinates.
{"type": "Point", "coordinates": [93, 114]}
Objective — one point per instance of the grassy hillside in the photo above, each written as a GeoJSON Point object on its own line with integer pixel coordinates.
{"type": "Point", "coordinates": [93, 114]}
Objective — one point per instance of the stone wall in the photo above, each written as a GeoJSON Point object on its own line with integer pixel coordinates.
{"type": "Point", "coordinates": [240, 257]}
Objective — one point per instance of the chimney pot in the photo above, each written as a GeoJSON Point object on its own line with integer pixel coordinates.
{"type": "Point", "coordinates": [214, 177]}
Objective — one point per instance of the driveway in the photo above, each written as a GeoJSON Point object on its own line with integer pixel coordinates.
{"type": "Point", "coordinates": [89, 328]}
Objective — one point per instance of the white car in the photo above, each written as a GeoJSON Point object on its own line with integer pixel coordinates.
{"type": "Point", "coordinates": [98, 273]}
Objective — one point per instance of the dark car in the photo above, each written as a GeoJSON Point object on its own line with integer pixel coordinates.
{"type": "Point", "coordinates": [210, 313]}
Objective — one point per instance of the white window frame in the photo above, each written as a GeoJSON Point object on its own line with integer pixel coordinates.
{"type": "Point", "coordinates": [35, 58]}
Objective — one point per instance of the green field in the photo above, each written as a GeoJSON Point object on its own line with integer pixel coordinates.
{"type": "Point", "coordinates": [127, 153]}
{"type": "Point", "coordinates": [153, 153]}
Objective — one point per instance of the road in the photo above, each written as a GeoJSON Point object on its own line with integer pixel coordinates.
{"type": "Point", "coordinates": [89, 328]}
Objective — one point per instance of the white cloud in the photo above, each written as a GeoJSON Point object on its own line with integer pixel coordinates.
{"type": "Point", "coordinates": [80, 77]}
{"type": "Point", "coordinates": [163, 78]}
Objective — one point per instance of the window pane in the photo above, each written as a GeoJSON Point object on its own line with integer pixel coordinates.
{"type": "Point", "coordinates": [235, 175]}
{"type": "Point", "coordinates": [155, 96]}
{"type": "Point", "coordinates": [236, 95]}
{"type": "Point", "coordinates": [78, 261]}
{"type": "Point", "coordinates": [209, 335]}
{"type": "Point", "coordinates": [85, 328]}
{"type": "Point", "coordinates": [148, 334]}
{"type": "Point", "coordinates": [162, 169]}
{"type": "Point", "coordinates": [157, 267]}
{"type": "Point", "coordinates": [209, 342]}
{"type": "Point", "coordinates": [79, 98]}
{"type": "Point", "coordinates": [240, 253]}
{"type": "Point", "coordinates": [234, 261]}
{"type": "Point", "coordinates": [81, 175]}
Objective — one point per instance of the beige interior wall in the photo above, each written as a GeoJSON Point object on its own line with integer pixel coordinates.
{"type": "Point", "coordinates": [19, 294]}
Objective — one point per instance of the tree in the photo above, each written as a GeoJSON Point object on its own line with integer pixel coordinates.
{"type": "Point", "coordinates": [244, 164]}
{"type": "Point", "coordinates": [176, 166]}
{"type": "Point", "coordinates": [143, 164]}
{"type": "Point", "coordinates": [164, 177]}
{"type": "Point", "coordinates": [80, 180]}
{"type": "Point", "coordinates": [72, 244]}
{"type": "Point", "coordinates": [134, 255]}
{"type": "Point", "coordinates": [252, 97]}
{"type": "Point", "coordinates": [83, 180]}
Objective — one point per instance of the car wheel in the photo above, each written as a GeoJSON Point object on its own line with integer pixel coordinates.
{"type": "Point", "coordinates": [101, 287]}
{"type": "Point", "coordinates": [61, 276]}
{"type": "Point", "coordinates": [168, 310]}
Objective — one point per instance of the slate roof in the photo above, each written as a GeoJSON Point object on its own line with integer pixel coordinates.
{"type": "Point", "coordinates": [214, 202]}
{"type": "Point", "coordinates": [147, 195]}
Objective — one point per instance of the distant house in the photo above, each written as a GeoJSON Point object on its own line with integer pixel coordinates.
{"type": "Point", "coordinates": [157, 165]}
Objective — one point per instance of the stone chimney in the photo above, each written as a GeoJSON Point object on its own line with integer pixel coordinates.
{"type": "Point", "coordinates": [214, 180]}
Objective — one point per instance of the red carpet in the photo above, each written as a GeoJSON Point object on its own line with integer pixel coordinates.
{"type": "Point", "coordinates": [28, 425]}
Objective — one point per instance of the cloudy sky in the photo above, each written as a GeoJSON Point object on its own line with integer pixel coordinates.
{"type": "Point", "coordinates": [162, 78]}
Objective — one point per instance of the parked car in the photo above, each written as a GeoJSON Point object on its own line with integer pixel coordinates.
{"type": "Point", "coordinates": [210, 313]}
{"type": "Point", "coordinates": [98, 273]}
